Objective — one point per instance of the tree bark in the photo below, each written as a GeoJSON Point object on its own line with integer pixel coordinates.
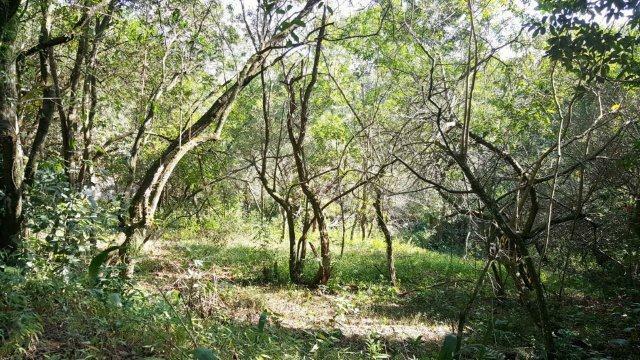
{"type": "Point", "coordinates": [102, 23]}
{"type": "Point", "coordinates": [296, 256]}
{"type": "Point", "coordinates": [69, 123]}
{"type": "Point", "coordinates": [297, 145]}
{"type": "Point", "coordinates": [520, 247]}
{"type": "Point", "coordinates": [47, 108]}
{"type": "Point", "coordinates": [382, 224]}
{"type": "Point", "coordinates": [344, 227]}
{"type": "Point", "coordinates": [10, 147]}
{"type": "Point", "coordinates": [85, 55]}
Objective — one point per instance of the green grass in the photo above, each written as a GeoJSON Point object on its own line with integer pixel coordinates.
{"type": "Point", "coordinates": [193, 292]}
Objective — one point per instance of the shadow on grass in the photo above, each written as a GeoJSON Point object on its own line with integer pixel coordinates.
{"type": "Point", "coordinates": [246, 341]}
{"type": "Point", "coordinates": [434, 286]}
{"type": "Point", "coordinates": [80, 325]}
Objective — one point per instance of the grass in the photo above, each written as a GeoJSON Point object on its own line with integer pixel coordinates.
{"type": "Point", "coordinates": [196, 293]}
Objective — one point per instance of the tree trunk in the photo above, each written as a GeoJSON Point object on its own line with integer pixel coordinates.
{"type": "Point", "coordinates": [69, 123]}
{"type": "Point", "coordinates": [324, 272]}
{"type": "Point", "coordinates": [462, 317]}
{"type": "Point", "coordinates": [297, 145]}
{"type": "Point", "coordinates": [391, 267]}
{"type": "Point", "coordinates": [498, 282]}
{"type": "Point", "coordinates": [85, 57]}
{"type": "Point", "coordinates": [295, 263]}
{"type": "Point", "coordinates": [517, 243]}
{"type": "Point", "coordinates": [47, 108]}
{"type": "Point", "coordinates": [86, 168]}
{"type": "Point", "coordinates": [128, 250]}
{"type": "Point", "coordinates": [344, 227]}
{"type": "Point", "coordinates": [10, 147]}
{"type": "Point", "coordinates": [363, 215]}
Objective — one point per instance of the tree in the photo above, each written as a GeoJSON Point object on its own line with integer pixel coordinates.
{"type": "Point", "coordinates": [595, 39]}
{"type": "Point", "coordinates": [144, 202]}
{"type": "Point", "coordinates": [12, 177]}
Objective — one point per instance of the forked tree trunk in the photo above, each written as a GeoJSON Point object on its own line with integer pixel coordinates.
{"type": "Point", "coordinates": [527, 264]}
{"type": "Point", "coordinates": [297, 146]}
{"type": "Point", "coordinates": [86, 167]}
{"type": "Point", "coordinates": [296, 255]}
{"type": "Point", "coordinates": [69, 122]}
{"type": "Point", "coordinates": [498, 282]}
{"type": "Point", "coordinates": [324, 271]}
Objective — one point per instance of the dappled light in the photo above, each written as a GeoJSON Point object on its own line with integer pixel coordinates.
{"type": "Point", "coordinates": [319, 179]}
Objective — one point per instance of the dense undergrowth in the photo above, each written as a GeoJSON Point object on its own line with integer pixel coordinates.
{"type": "Point", "coordinates": [232, 299]}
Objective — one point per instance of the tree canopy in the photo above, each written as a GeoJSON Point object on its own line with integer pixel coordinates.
{"type": "Point", "coordinates": [319, 179]}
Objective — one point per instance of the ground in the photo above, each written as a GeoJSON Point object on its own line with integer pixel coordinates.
{"type": "Point", "coordinates": [199, 293]}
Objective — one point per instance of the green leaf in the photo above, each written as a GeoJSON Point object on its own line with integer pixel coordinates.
{"type": "Point", "coordinates": [97, 261]}
{"type": "Point", "coordinates": [448, 347]}
{"type": "Point", "coordinates": [175, 16]}
{"type": "Point", "coordinates": [268, 6]}
{"type": "Point", "coordinates": [115, 299]}
{"type": "Point", "coordinates": [204, 354]}
{"type": "Point", "coordinates": [284, 25]}
{"type": "Point", "coordinates": [262, 321]}
{"type": "Point", "coordinates": [297, 21]}
{"type": "Point", "coordinates": [619, 342]}
{"type": "Point", "coordinates": [173, 296]}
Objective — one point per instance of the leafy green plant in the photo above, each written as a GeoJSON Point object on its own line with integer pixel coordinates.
{"type": "Point", "coordinates": [65, 224]}
{"type": "Point", "coordinates": [447, 351]}
{"type": "Point", "coordinates": [205, 354]}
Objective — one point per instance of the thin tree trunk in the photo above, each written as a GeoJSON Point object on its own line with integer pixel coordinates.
{"type": "Point", "coordinates": [499, 283]}
{"type": "Point", "coordinates": [86, 168]}
{"type": "Point", "coordinates": [391, 267]}
{"type": "Point", "coordinates": [138, 141]}
{"type": "Point", "coordinates": [324, 272]}
{"type": "Point", "coordinates": [363, 215]}
{"type": "Point", "coordinates": [69, 123]}
{"type": "Point", "coordinates": [283, 228]}
{"type": "Point", "coordinates": [344, 227]}
{"type": "Point", "coordinates": [462, 318]}
{"type": "Point", "coordinates": [85, 54]}
{"type": "Point", "coordinates": [353, 226]}
{"type": "Point", "coordinates": [297, 145]}
{"type": "Point", "coordinates": [295, 263]}
{"type": "Point", "coordinates": [47, 108]}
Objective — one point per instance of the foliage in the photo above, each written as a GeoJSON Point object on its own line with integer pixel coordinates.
{"type": "Point", "coordinates": [319, 179]}
{"type": "Point", "coordinates": [66, 225]}
{"type": "Point", "coordinates": [595, 39]}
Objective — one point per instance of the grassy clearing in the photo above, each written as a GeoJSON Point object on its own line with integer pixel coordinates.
{"type": "Point", "coordinates": [194, 293]}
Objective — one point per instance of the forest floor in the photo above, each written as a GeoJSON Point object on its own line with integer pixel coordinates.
{"type": "Point", "coordinates": [361, 314]}
{"type": "Point", "coordinates": [358, 304]}
{"type": "Point", "coordinates": [195, 293]}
